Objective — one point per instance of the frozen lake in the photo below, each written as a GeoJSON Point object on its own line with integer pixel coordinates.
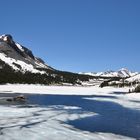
{"type": "Point", "coordinates": [76, 117]}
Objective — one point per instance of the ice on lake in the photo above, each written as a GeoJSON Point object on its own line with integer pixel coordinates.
{"type": "Point", "coordinates": [63, 117]}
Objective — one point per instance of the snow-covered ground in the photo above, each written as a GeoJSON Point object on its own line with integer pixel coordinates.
{"type": "Point", "coordinates": [53, 119]}
{"type": "Point", "coordinates": [60, 90]}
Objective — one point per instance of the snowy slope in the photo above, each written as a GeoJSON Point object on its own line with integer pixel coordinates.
{"type": "Point", "coordinates": [19, 57]}
{"type": "Point", "coordinates": [135, 78]}
{"type": "Point", "coordinates": [16, 63]}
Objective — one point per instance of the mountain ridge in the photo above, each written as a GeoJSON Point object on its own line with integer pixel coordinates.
{"type": "Point", "coordinates": [123, 73]}
{"type": "Point", "coordinates": [19, 65]}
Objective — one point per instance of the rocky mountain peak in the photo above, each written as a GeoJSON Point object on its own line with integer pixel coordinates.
{"type": "Point", "coordinates": [17, 54]}
{"type": "Point", "coordinates": [7, 38]}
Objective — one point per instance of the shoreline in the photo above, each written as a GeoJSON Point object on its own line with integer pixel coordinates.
{"type": "Point", "coordinates": [56, 89]}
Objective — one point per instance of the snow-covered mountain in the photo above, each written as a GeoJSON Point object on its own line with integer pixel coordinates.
{"type": "Point", "coordinates": [122, 73]}
{"type": "Point", "coordinates": [19, 65]}
{"type": "Point", "coordinates": [19, 57]}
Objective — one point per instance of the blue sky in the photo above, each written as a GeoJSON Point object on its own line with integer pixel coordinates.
{"type": "Point", "coordinates": [77, 35]}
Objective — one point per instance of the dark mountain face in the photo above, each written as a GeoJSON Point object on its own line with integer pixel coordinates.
{"type": "Point", "coordinates": [9, 40]}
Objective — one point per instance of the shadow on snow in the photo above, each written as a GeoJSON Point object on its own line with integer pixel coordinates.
{"type": "Point", "coordinates": [112, 118]}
